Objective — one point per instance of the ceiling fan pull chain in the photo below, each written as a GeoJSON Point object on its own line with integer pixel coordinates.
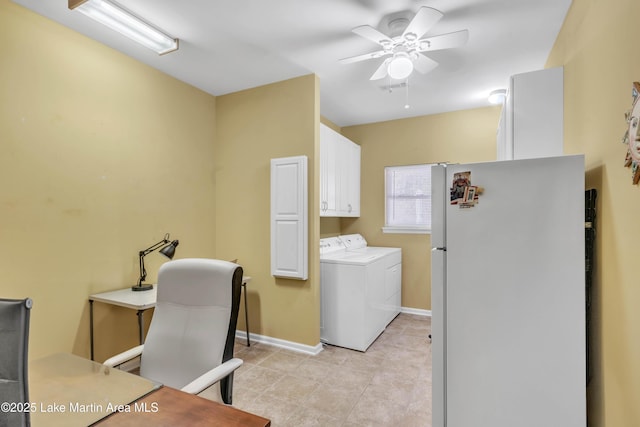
{"type": "Point", "coordinates": [406, 104]}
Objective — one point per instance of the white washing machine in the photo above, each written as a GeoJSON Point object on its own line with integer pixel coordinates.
{"type": "Point", "coordinates": [360, 290]}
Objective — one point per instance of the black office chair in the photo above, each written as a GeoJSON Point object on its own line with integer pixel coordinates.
{"type": "Point", "coordinates": [14, 349]}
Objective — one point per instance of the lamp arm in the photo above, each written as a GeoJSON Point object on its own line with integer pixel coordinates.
{"type": "Point", "coordinates": [143, 271]}
{"type": "Point", "coordinates": [155, 245]}
{"type": "Point", "coordinates": [145, 252]}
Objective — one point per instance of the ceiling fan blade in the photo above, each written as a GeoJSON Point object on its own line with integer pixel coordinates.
{"type": "Point", "coordinates": [368, 32]}
{"type": "Point", "coordinates": [444, 41]}
{"type": "Point", "coordinates": [364, 57]}
{"type": "Point", "coordinates": [381, 72]}
{"type": "Point", "coordinates": [424, 64]}
{"type": "Point", "coordinates": [421, 23]}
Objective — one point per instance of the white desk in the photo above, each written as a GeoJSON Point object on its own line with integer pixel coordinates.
{"type": "Point", "coordinates": [142, 301]}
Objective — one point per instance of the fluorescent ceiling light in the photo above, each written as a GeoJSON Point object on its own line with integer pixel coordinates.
{"type": "Point", "coordinates": [122, 21]}
{"type": "Point", "coordinates": [498, 96]}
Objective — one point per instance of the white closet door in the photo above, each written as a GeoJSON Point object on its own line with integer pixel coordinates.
{"type": "Point", "coordinates": [289, 213]}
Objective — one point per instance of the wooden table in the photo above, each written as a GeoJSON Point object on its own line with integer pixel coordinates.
{"type": "Point", "coordinates": [170, 407]}
{"type": "Point", "coordinates": [67, 390]}
{"type": "Point", "coordinates": [71, 391]}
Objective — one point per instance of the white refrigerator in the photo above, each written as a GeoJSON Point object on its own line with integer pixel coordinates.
{"type": "Point", "coordinates": [508, 294]}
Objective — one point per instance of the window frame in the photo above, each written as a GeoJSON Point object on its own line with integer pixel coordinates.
{"type": "Point", "coordinates": [405, 229]}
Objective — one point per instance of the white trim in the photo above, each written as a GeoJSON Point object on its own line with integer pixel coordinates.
{"type": "Point", "coordinates": [276, 342]}
{"type": "Point", "coordinates": [405, 229]}
{"type": "Point", "coordinates": [307, 349]}
{"type": "Point", "coordinates": [416, 311]}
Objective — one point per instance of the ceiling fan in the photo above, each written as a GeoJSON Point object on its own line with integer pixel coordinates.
{"type": "Point", "coordinates": [404, 47]}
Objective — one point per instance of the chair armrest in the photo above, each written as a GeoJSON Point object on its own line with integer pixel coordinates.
{"type": "Point", "coordinates": [213, 376]}
{"type": "Point", "coordinates": [119, 359]}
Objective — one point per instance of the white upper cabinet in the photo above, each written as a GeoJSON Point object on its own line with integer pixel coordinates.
{"type": "Point", "coordinates": [328, 147]}
{"type": "Point", "coordinates": [531, 124]}
{"type": "Point", "coordinates": [349, 203]}
{"type": "Point", "coordinates": [339, 174]}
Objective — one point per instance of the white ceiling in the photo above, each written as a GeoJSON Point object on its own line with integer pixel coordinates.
{"type": "Point", "coordinates": [227, 46]}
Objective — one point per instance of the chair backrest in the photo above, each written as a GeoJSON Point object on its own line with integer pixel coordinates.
{"type": "Point", "coordinates": [194, 322]}
{"type": "Point", "coordinates": [14, 352]}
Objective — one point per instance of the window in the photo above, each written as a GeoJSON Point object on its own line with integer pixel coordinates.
{"type": "Point", "coordinates": [407, 199]}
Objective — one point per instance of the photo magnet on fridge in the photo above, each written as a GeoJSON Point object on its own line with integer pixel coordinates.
{"type": "Point", "coordinates": [463, 193]}
{"type": "Point", "coordinates": [461, 181]}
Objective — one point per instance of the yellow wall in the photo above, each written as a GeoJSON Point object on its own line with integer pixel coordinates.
{"type": "Point", "coordinates": [254, 126]}
{"type": "Point", "coordinates": [104, 155]}
{"type": "Point", "coordinates": [459, 137]}
{"type": "Point", "coordinates": [100, 157]}
{"type": "Point", "coordinates": [599, 49]}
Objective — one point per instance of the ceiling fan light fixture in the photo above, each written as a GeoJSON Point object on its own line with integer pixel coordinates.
{"type": "Point", "coordinates": [400, 67]}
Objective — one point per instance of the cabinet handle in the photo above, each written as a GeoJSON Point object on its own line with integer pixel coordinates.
{"type": "Point", "coordinates": [349, 207]}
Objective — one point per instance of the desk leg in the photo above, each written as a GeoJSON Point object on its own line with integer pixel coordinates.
{"type": "Point", "coordinates": [141, 325]}
{"type": "Point", "coordinates": [91, 326]}
{"type": "Point", "coordinates": [246, 314]}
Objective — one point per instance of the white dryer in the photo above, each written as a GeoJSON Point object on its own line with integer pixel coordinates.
{"type": "Point", "coordinates": [360, 290]}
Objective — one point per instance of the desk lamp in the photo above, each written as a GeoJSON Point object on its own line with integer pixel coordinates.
{"type": "Point", "coordinates": [169, 250]}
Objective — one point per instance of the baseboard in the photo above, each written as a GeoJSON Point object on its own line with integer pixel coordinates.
{"type": "Point", "coordinates": [307, 349]}
{"type": "Point", "coordinates": [276, 342]}
{"type": "Point", "coordinates": [415, 311]}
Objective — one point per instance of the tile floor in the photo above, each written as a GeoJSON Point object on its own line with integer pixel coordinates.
{"type": "Point", "coordinates": [388, 385]}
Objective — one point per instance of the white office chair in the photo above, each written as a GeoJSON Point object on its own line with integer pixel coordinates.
{"type": "Point", "coordinates": [190, 341]}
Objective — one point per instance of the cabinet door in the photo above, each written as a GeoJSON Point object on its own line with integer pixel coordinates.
{"type": "Point", "coordinates": [328, 185]}
{"type": "Point", "coordinates": [353, 189]}
{"type": "Point", "coordinates": [342, 175]}
{"type": "Point", "coordinates": [289, 231]}
{"type": "Point", "coordinates": [538, 114]}
{"type": "Point", "coordinates": [348, 178]}
{"type": "Point", "coordinates": [531, 124]}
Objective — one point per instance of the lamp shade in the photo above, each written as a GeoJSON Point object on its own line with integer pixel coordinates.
{"type": "Point", "coordinates": [170, 250]}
